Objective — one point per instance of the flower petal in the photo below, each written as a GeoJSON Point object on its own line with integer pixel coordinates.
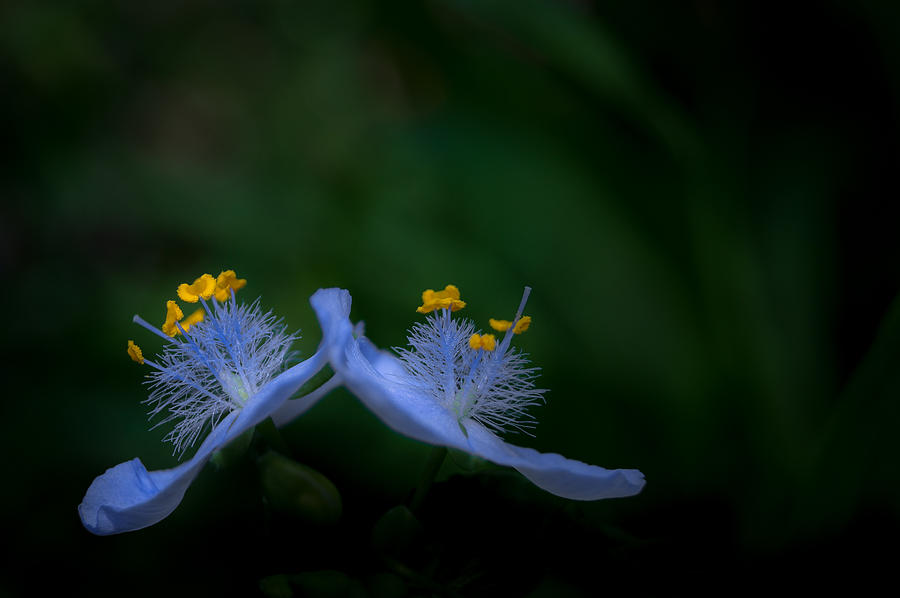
{"type": "Point", "coordinates": [294, 408]}
{"type": "Point", "coordinates": [128, 497]}
{"type": "Point", "coordinates": [379, 380]}
{"type": "Point", "coordinates": [553, 472]}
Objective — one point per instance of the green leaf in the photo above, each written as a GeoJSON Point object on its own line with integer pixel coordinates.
{"type": "Point", "coordinates": [396, 530]}
{"type": "Point", "coordinates": [233, 452]}
{"type": "Point", "coordinates": [298, 490]}
{"type": "Point", "coordinates": [276, 586]}
{"type": "Point", "coordinates": [327, 584]}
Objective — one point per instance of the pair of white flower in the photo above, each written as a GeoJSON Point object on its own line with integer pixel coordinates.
{"type": "Point", "coordinates": [221, 367]}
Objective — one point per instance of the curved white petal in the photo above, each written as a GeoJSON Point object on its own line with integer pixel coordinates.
{"type": "Point", "coordinates": [294, 408]}
{"type": "Point", "coordinates": [128, 497]}
{"type": "Point", "coordinates": [380, 382]}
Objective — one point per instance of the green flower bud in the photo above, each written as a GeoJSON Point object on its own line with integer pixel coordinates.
{"type": "Point", "coordinates": [298, 490]}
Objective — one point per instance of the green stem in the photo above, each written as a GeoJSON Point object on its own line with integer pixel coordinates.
{"type": "Point", "coordinates": [432, 466]}
{"type": "Point", "coordinates": [418, 579]}
{"type": "Point", "coordinates": [272, 436]}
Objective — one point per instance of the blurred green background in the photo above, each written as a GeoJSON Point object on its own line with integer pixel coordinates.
{"type": "Point", "coordinates": [702, 195]}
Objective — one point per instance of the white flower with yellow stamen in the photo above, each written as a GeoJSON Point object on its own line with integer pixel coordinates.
{"type": "Point", "coordinates": [222, 369]}
{"type": "Point", "coordinates": [461, 369]}
{"type": "Point", "coordinates": [458, 388]}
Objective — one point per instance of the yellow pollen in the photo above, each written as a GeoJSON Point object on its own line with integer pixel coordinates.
{"type": "Point", "coordinates": [173, 314]}
{"type": "Point", "coordinates": [446, 299]}
{"type": "Point", "coordinates": [135, 352]}
{"type": "Point", "coordinates": [483, 341]}
{"type": "Point", "coordinates": [474, 341]}
{"type": "Point", "coordinates": [192, 319]}
{"type": "Point", "coordinates": [488, 342]}
{"type": "Point", "coordinates": [228, 280]}
{"type": "Point", "coordinates": [503, 325]}
{"type": "Point", "coordinates": [204, 287]}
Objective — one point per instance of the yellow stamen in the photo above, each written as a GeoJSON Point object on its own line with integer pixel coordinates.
{"type": "Point", "coordinates": [228, 280]}
{"type": "Point", "coordinates": [450, 292]}
{"type": "Point", "coordinates": [135, 352]}
{"type": "Point", "coordinates": [173, 314]}
{"type": "Point", "coordinates": [446, 299]}
{"type": "Point", "coordinates": [483, 341]}
{"type": "Point", "coordinates": [500, 325]}
{"type": "Point", "coordinates": [488, 342]}
{"type": "Point", "coordinates": [192, 319]}
{"type": "Point", "coordinates": [503, 325]}
{"type": "Point", "coordinates": [475, 341]}
{"type": "Point", "coordinates": [204, 287]}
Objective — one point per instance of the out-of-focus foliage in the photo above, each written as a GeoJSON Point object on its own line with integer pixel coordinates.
{"type": "Point", "coordinates": [703, 197]}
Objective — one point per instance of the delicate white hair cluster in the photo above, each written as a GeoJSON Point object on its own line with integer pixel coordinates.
{"type": "Point", "coordinates": [494, 387]}
{"type": "Point", "coordinates": [214, 367]}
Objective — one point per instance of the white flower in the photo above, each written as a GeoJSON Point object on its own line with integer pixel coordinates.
{"type": "Point", "coordinates": [222, 369]}
{"type": "Point", "coordinates": [453, 387]}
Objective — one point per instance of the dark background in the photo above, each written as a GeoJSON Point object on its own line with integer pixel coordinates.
{"type": "Point", "coordinates": [703, 197]}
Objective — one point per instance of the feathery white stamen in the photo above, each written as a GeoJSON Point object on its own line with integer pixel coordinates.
{"type": "Point", "coordinates": [494, 388]}
{"type": "Point", "coordinates": [214, 367]}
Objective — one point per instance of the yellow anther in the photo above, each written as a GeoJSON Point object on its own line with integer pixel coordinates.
{"type": "Point", "coordinates": [135, 352]}
{"type": "Point", "coordinates": [503, 325]}
{"type": "Point", "coordinates": [446, 299]}
{"type": "Point", "coordinates": [488, 342]}
{"type": "Point", "coordinates": [500, 325]}
{"type": "Point", "coordinates": [228, 280]}
{"type": "Point", "coordinates": [450, 292]}
{"type": "Point", "coordinates": [474, 341]}
{"type": "Point", "coordinates": [192, 319]}
{"type": "Point", "coordinates": [483, 341]}
{"type": "Point", "coordinates": [204, 287]}
{"type": "Point", "coordinates": [173, 314]}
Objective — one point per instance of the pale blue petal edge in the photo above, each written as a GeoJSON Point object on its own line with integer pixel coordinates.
{"type": "Point", "coordinates": [294, 408]}
{"type": "Point", "coordinates": [377, 378]}
{"type": "Point", "coordinates": [128, 497]}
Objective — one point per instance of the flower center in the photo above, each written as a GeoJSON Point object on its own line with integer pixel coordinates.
{"type": "Point", "coordinates": [470, 373]}
{"type": "Point", "coordinates": [234, 386]}
{"type": "Point", "coordinates": [214, 360]}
